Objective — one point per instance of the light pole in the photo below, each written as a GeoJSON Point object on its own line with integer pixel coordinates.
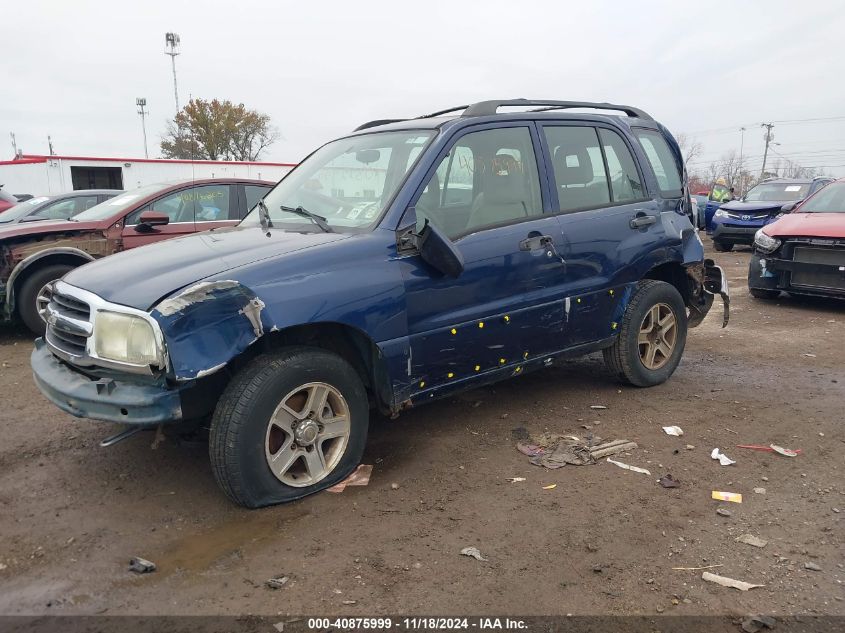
{"type": "Point", "coordinates": [769, 137]}
{"type": "Point", "coordinates": [741, 170]}
{"type": "Point", "coordinates": [141, 102]}
{"type": "Point", "coordinates": [171, 45]}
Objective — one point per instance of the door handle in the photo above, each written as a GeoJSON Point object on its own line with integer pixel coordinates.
{"type": "Point", "coordinates": [641, 220]}
{"type": "Point", "coordinates": [535, 242]}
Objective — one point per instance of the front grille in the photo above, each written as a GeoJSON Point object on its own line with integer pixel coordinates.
{"type": "Point", "coordinates": [826, 269]}
{"type": "Point", "coordinates": [748, 216]}
{"type": "Point", "coordinates": [68, 322]}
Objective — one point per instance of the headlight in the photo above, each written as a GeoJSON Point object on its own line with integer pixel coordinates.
{"type": "Point", "coordinates": [125, 338]}
{"type": "Point", "coordinates": [720, 214]}
{"type": "Point", "coordinates": [765, 243]}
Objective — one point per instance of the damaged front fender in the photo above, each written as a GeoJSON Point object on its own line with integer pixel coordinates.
{"type": "Point", "coordinates": [208, 324]}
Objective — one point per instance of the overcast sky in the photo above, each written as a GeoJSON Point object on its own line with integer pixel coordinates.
{"type": "Point", "coordinates": [74, 69]}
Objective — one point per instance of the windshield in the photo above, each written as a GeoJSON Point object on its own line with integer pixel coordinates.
{"type": "Point", "coordinates": [831, 199]}
{"type": "Point", "coordinates": [777, 192]}
{"type": "Point", "coordinates": [119, 203]}
{"type": "Point", "coordinates": [21, 210]}
{"type": "Point", "coordinates": [349, 182]}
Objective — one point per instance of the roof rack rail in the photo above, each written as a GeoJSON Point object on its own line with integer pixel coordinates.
{"type": "Point", "coordinates": [376, 123]}
{"type": "Point", "coordinates": [486, 108]}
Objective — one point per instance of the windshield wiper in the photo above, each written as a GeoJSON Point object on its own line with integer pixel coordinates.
{"type": "Point", "coordinates": [319, 220]}
{"type": "Point", "coordinates": [264, 215]}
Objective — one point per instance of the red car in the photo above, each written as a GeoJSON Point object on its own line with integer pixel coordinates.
{"type": "Point", "coordinates": [36, 253]}
{"type": "Point", "coordinates": [803, 252]}
{"type": "Point", "coordinates": [7, 200]}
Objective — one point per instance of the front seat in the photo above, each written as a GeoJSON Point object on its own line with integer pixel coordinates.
{"type": "Point", "coordinates": [503, 196]}
{"type": "Point", "coordinates": [573, 178]}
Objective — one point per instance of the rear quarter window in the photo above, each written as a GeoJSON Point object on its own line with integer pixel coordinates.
{"type": "Point", "coordinates": [662, 161]}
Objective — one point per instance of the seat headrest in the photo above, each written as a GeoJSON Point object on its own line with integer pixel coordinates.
{"type": "Point", "coordinates": [505, 182]}
{"type": "Point", "coordinates": [572, 167]}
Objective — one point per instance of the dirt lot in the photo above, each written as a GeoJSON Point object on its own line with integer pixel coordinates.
{"type": "Point", "coordinates": [604, 540]}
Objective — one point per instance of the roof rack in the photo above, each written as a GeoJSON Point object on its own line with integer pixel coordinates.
{"type": "Point", "coordinates": [486, 108]}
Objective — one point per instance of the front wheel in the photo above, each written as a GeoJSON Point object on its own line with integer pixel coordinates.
{"type": "Point", "coordinates": [763, 293]}
{"type": "Point", "coordinates": [289, 424]}
{"type": "Point", "coordinates": [723, 247]}
{"type": "Point", "coordinates": [652, 335]}
{"type": "Point", "coordinates": [27, 299]}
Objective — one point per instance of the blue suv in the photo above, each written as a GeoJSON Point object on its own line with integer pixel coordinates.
{"type": "Point", "coordinates": [737, 221]}
{"type": "Point", "coordinates": [404, 262]}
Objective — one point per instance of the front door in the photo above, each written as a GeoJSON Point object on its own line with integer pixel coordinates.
{"type": "Point", "coordinates": [504, 309]}
{"type": "Point", "coordinates": [190, 210]}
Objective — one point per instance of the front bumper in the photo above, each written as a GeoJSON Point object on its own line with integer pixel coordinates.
{"type": "Point", "coordinates": [711, 283]}
{"type": "Point", "coordinates": [734, 234]}
{"type": "Point", "coordinates": [104, 399]}
{"type": "Point", "coordinates": [769, 272]}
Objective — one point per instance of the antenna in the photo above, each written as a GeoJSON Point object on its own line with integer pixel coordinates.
{"type": "Point", "coordinates": [171, 45]}
{"type": "Point", "coordinates": [141, 102]}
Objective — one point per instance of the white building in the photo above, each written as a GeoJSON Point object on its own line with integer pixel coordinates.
{"type": "Point", "coordinates": [47, 175]}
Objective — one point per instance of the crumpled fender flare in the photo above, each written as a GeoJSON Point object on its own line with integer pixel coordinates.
{"type": "Point", "coordinates": [27, 262]}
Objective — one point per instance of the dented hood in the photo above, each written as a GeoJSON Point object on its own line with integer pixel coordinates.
{"type": "Point", "coordinates": [140, 277]}
{"type": "Point", "coordinates": [809, 225]}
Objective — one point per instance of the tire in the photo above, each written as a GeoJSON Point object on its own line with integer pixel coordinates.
{"type": "Point", "coordinates": [242, 437]}
{"type": "Point", "coordinates": [623, 358]}
{"type": "Point", "coordinates": [722, 247]}
{"type": "Point", "coordinates": [762, 293]}
{"type": "Point", "coordinates": [32, 285]}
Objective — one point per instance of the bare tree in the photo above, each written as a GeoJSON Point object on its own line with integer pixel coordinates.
{"type": "Point", "coordinates": [690, 148]}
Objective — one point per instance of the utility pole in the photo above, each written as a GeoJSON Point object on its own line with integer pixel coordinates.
{"type": "Point", "coordinates": [741, 170]}
{"type": "Point", "coordinates": [171, 44]}
{"type": "Point", "coordinates": [14, 144]}
{"type": "Point", "coordinates": [769, 137]}
{"type": "Point", "coordinates": [141, 102]}
{"type": "Point", "coordinates": [50, 145]}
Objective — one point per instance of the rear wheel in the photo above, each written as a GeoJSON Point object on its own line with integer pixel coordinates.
{"type": "Point", "coordinates": [723, 247]}
{"type": "Point", "coordinates": [288, 425]}
{"type": "Point", "coordinates": [32, 285]}
{"type": "Point", "coordinates": [762, 293]}
{"type": "Point", "coordinates": [651, 337]}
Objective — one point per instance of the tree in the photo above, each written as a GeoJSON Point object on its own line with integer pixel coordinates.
{"type": "Point", "coordinates": [218, 130]}
{"type": "Point", "coordinates": [690, 148]}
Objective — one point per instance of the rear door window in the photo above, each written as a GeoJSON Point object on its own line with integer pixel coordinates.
{"type": "Point", "coordinates": [662, 161]}
{"type": "Point", "coordinates": [580, 175]}
{"type": "Point", "coordinates": [625, 183]}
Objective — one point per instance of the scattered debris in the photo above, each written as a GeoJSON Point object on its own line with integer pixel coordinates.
{"type": "Point", "coordinates": [359, 477]}
{"type": "Point", "coordinates": [350, 602]}
{"type": "Point", "coordinates": [723, 512]}
{"type": "Point", "coordinates": [277, 583]}
{"type": "Point", "coordinates": [757, 623]}
{"type": "Point", "coordinates": [724, 460]}
{"type": "Point", "coordinates": [759, 491]}
{"type": "Point", "coordinates": [473, 552]}
{"type": "Point", "coordinates": [3, 566]}
{"type": "Point", "coordinates": [514, 480]}
{"type": "Point", "coordinates": [728, 582]}
{"type": "Point", "coordinates": [673, 430]}
{"type": "Point", "coordinates": [598, 407]}
{"type": "Point", "coordinates": [141, 565]}
{"type": "Point", "coordinates": [689, 447]}
{"type": "Point", "coordinates": [808, 355]}
{"type": "Point", "coordinates": [733, 497]}
{"type": "Point", "coordinates": [394, 486]}
{"type": "Point", "coordinates": [812, 567]}
{"type": "Point", "coordinates": [696, 568]}
{"type": "Point", "coordinates": [553, 451]}
{"type": "Point", "coordinates": [780, 450]}
{"type": "Point", "coordinates": [550, 487]}
{"type": "Point", "coordinates": [627, 467]}
{"type": "Point", "coordinates": [750, 539]}
{"type": "Point", "coordinates": [668, 481]}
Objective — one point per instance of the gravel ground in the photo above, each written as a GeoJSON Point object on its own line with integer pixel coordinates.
{"type": "Point", "coordinates": [603, 541]}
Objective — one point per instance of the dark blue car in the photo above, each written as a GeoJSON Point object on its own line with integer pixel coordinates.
{"type": "Point", "coordinates": [404, 262]}
{"type": "Point", "coordinates": [737, 221]}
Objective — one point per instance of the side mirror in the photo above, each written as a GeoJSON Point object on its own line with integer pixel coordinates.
{"type": "Point", "coordinates": [438, 251]}
{"type": "Point", "coordinates": [149, 219]}
{"type": "Point", "coordinates": [789, 207]}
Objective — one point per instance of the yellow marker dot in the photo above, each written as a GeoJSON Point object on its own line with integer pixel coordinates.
{"type": "Point", "coordinates": [454, 331]}
{"type": "Point", "coordinates": [517, 370]}
{"type": "Point", "coordinates": [422, 383]}
{"type": "Point", "coordinates": [450, 375]}
{"type": "Point", "coordinates": [613, 326]}
{"type": "Point", "coordinates": [507, 319]}
{"type": "Point", "coordinates": [611, 292]}
{"type": "Point", "coordinates": [525, 355]}
{"type": "Point", "coordinates": [478, 368]}
{"type": "Point", "coordinates": [481, 324]}
{"type": "Point", "coordinates": [578, 300]}
{"type": "Point", "coordinates": [501, 361]}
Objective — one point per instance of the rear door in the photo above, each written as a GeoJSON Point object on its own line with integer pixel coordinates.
{"type": "Point", "coordinates": [190, 209]}
{"type": "Point", "coordinates": [609, 224]}
{"type": "Point", "coordinates": [485, 195]}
